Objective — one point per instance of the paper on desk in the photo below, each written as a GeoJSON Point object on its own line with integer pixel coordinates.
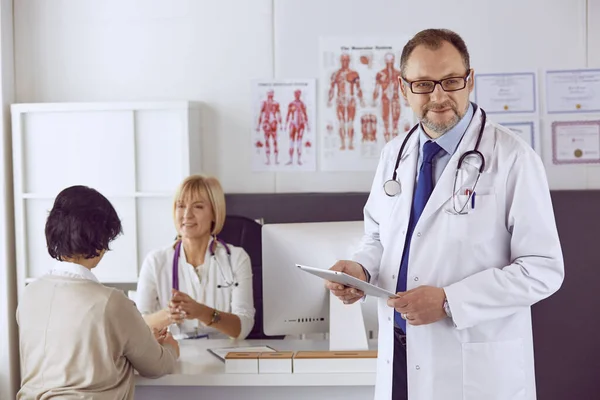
{"type": "Point", "coordinates": [222, 352]}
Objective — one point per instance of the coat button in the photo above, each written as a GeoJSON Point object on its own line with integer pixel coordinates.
{"type": "Point", "coordinates": [419, 234]}
{"type": "Point", "coordinates": [388, 361]}
{"type": "Point", "coordinates": [416, 278]}
{"type": "Point", "coordinates": [390, 319]}
{"type": "Point", "coordinates": [418, 367]}
{"type": "Point", "coordinates": [393, 276]}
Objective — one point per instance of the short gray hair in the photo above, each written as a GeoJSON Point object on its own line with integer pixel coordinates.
{"type": "Point", "coordinates": [433, 39]}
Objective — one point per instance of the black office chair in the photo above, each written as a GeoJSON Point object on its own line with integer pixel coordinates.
{"type": "Point", "coordinates": [246, 233]}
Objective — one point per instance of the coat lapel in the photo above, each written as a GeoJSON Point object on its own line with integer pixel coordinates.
{"type": "Point", "coordinates": [406, 173]}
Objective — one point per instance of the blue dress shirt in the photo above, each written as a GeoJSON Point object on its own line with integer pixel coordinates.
{"type": "Point", "coordinates": [448, 142]}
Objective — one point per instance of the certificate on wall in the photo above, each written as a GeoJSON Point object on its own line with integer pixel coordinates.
{"type": "Point", "coordinates": [526, 131]}
{"type": "Point", "coordinates": [576, 142]}
{"type": "Point", "coordinates": [573, 91]}
{"type": "Point", "coordinates": [506, 93]}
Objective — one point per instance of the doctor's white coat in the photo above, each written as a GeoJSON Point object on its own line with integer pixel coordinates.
{"type": "Point", "coordinates": [493, 263]}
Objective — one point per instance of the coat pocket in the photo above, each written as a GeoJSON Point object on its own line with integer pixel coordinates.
{"type": "Point", "coordinates": [478, 224]}
{"type": "Point", "coordinates": [494, 371]}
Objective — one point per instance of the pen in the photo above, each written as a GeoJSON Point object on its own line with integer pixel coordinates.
{"type": "Point", "coordinates": [473, 201]}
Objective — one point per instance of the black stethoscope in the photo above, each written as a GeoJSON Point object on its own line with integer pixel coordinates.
{"type": "Point", "coordinates": [391, 187]}
{"type": "Point", "coordinates": [212, 247]}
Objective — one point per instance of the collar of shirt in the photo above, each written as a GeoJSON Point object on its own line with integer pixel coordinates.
{"type": "Point", "coordinates": [72, 270]}
{"type": "Point", "coordinates": [183, 262]}
{"type": "Point", "coordinates": [448, 141]}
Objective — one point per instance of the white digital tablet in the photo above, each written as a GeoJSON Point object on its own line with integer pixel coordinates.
{"type": "Point", "coordinates": [347, 280]}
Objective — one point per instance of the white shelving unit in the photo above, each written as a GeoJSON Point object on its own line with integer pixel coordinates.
{"type": "Point", "coordinates": [135, 154]}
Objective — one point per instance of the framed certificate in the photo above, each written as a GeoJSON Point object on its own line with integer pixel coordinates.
{"type": "Point", "coordinates": [573, 91]}
{"type": "Point", "coordinates": [506, 93]}
{"type": "Point", "coordinates": [525, 130]}
{"type": "Point", "coordinates": [576, 142]}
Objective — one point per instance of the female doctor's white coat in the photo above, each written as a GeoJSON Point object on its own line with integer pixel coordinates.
{"type": "Point", "coordinates": [493, 264]}
{"type": "Point", "coordinates": [201, 284]}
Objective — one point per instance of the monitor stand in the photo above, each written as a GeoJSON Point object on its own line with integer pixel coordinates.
{"type": "Point", "coordinates": [346, 326]}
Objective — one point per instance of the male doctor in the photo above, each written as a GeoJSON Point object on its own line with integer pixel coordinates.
{"type": "Point", "coordinates": [467, 257]}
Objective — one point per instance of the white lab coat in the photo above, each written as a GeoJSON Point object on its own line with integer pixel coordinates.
{"type": "Point", "coordinates": [493, 263]}
{"type": "Point", "coordinates": [156, 281]}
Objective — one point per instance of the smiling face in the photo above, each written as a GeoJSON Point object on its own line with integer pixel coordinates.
{"type": "Point", "coordinates": [438, 111]}
{"type": "Point", "coordinates": [194, 216]}
{"type": "Point", "coordinates": [199, 207]}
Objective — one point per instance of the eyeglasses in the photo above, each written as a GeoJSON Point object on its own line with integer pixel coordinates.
{"type": "Point", "coordinates": [451, 84]}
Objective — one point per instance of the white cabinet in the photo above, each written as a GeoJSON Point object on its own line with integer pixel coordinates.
{"type": "Point", "coordinates": [133, 153]}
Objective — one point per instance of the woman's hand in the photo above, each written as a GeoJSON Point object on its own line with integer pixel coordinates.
{"type": "Point", "coordinates": [185, 306]}
{"type": "Point", "coordinates": [160, 334]}
{"type": "Point", "coordinates": [170, 341]}
{"type": "Point", "coordinates": [174, 315]}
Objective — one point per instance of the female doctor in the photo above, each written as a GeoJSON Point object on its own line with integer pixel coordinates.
{"type": "Point", "coordinates": [199, 286]}
{"type": "Point", "coordinates": [459, 223]}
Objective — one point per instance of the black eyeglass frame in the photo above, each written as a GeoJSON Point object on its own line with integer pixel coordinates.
{"type": "Point", "coordinates": [440, 82]}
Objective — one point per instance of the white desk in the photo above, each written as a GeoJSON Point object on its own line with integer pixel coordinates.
{"type": "Point", "coordinates": [201, 375]}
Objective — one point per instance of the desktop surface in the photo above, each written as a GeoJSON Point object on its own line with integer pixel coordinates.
{"type": "Point", "coordinates": [198, 367]}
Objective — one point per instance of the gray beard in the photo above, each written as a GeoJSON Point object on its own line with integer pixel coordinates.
{"type": "Point", "coordinates": [441, 128]}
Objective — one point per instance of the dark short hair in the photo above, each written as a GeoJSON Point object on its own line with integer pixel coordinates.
{"type": "Point", "coordinates": [82, 223]}
{"type": "Point", "coordinates": [433, 39]}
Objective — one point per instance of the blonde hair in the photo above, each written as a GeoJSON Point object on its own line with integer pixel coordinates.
{"type": "Point", "coordinates": [196, 185]}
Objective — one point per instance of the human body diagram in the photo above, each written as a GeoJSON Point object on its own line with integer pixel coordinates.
{"type": "Point", "coordinates": [296, 122]}
{"type": "Point", "coordinates": [346, 82]}
{"type": "Point", "coordinates": [387, 86]}
{"type": "Point", "coordinates": [269, 120]}
{"type": "Point", "coordinates": [368, 125]}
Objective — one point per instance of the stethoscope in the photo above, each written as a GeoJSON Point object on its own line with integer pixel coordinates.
{"type": "Point", "coordinates": [391, 187]}
{"type": "Point", "coordinates": [212, 248]}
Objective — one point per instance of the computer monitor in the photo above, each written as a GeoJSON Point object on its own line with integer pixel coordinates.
{"type": "Point", "coordinates": [296, 302]}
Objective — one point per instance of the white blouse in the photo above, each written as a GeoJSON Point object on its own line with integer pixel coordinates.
{"type": "Point", "coordinates": [212, 284]}
{"type": "Point", "coordinates": [72, 270]}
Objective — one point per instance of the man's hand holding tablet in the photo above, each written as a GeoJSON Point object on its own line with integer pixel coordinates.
{"type": "Point", "coordinates": [345, 293]}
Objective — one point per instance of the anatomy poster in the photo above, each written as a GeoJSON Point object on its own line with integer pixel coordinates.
{"type": "Point", "coordinates": [361, 107]}
{"type": "Point", "coordinates": [283, 131]}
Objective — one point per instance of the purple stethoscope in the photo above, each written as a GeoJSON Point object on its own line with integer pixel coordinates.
{"type": "Point", "coordinates": [213, 247]}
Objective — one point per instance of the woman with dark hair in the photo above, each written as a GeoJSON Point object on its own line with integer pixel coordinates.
{"type": "Point", "coordinates": [79, 338]}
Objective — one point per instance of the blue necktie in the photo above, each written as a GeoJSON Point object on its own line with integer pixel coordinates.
{"type": "Point", "coordinates": [422, 194]}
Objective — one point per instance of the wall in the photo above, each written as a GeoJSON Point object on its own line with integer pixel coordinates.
{"type": "Point", "coordinates": [9, 377]}
{"type": "Point", "coordinates": [593, 37]}
{"type": "Point", "coordinates": [207, 50]}
{"type": "Point", "coordinates": [494, 36]}
{"type": "Point", "coordinates": [74, 50]}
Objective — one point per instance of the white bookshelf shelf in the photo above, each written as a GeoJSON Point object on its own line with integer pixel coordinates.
{"type": "Point", "coordinates": [133, 153]}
